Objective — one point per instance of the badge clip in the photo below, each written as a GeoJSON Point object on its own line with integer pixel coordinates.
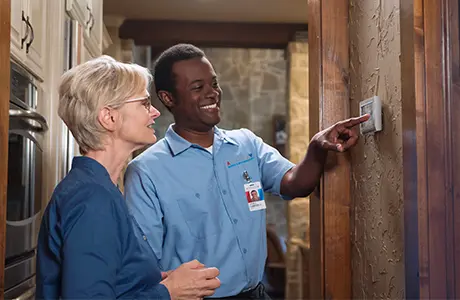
{"type": "Point", "coordinates": [246, 176]}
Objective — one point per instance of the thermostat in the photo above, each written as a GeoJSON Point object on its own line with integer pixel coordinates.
{"type": "Point", "coordinates": [373, 107]}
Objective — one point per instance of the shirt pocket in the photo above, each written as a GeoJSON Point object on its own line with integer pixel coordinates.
{"type": "Point", "coordinates": [237, 180]}
{"type": "Point", "coordinates": [202, 219]}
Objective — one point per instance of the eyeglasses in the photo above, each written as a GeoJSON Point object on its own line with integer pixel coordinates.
{"type": "Point", "coordinates": [147, 101]}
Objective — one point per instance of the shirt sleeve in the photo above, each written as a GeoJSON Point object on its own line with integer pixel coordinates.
{"type": "Point", "coordinates": [155, 292]}
{"type": "Point", "coordinates": [92, 248]}
{"type": "Point", "coordinates": [144, 206]}
{"type": "Point", "coordinates": [272, 165]}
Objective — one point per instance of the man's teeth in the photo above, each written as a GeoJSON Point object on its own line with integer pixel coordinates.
{"type": "Point", "coordinates": [150, 126]}
{"type": "Point", "coordinates": [209, 106]}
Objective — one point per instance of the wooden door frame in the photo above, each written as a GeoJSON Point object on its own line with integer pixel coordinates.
{"type": "Point", "coordinates": [430, 148]}
{"type": "Point", "coordinates": [330, 206]}
{"type": "Point", "coordinates": [5, 27]}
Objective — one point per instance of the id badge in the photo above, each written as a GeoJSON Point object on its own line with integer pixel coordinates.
{"type": "Point", "coordinates": [255, 196]}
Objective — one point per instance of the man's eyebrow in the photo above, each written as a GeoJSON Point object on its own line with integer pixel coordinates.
{"type": "Point", "coordinates": [196, 81]}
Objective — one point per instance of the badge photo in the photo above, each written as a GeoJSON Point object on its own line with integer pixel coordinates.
{"type": "Point", "coordinates": [254, 196]}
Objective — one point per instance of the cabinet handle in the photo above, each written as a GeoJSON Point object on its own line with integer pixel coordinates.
{"type": "Point", "coordinates": [27, 29]}
{"type": "Point", "coordinates": [32, 37]}
{"type": "Point", "coordinates": [92, 22]}
{"type": "Point", "coordinates": [90, 15]}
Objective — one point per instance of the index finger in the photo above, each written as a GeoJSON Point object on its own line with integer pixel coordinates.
{"type": "Point", "coordinates": [355, 121]}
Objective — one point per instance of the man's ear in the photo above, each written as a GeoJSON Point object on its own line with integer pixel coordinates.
{"type": "Point", "coordinates": [108, 118]}
{"type": "Point", "coordinates": [166, 98]}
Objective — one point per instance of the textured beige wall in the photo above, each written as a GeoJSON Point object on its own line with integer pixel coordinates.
{"type": "Point", "coordinates": [298, 209]}
{"type": "Point", "coordinates": [377, 191]}
{"type": "Point", "coordinates": [253, 82]}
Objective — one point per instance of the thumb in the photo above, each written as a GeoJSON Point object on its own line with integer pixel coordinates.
{"type": "Point", "coordinates": [332, 146]}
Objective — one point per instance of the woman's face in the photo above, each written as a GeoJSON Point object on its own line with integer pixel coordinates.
{"type": "Point", "coordinates": [138, 117]}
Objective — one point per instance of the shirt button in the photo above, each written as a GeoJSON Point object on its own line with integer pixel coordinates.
{"type": "Point", "coordinates": [224, 192]}
{"type": "Point", "coordinates": [235, 221]}
{"type": "Point", "coordinates": [197, 195]}
{"type": "Point", "coordinates": [144, 237]}
{"type": "Point", "coordinates": [245, 250]}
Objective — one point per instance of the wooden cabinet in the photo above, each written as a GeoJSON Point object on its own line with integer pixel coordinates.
{"type": "Point", "coordinates": [78, 10]}
{"type": "Point", "coordinates": [28, 34]}
{"type": "Point", "coordinates": [89, 14]}
{"type": "Point", "coordinates": [94, 28]}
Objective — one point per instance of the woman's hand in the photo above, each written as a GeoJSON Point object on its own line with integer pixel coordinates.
{"type": "Point", "coordinates": [191, 281]}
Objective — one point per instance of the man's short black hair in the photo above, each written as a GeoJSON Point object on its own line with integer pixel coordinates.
{"type": "Point", "coordinates": [163, 73]}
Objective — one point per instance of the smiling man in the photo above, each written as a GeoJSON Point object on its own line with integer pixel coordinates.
{"type": "Point", "coordinates": [189, 193]}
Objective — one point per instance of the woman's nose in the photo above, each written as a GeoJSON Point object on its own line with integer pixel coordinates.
{"type": "Point", "coordinates": [154, 113]}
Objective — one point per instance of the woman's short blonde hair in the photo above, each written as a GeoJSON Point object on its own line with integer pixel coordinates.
{"type": "Point", "coordinates": [87, 88]}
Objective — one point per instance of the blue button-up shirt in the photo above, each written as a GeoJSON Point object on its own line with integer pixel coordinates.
{"type": "Point", "coordinates": [87, 248]}
{"type": "Point", "coordinates": [190, 203]}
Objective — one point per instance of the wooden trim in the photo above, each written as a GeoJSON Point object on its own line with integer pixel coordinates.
{"type": "Point", "coordinates": [431, 149]}
{"type": "Point", "coordinates": [410, 166]}
{"type": "Point", "coordinates": [315, 98]}
{"type": "Point", "coordinates": [5, 11]}
{"type": "Point", "coordinates": [329, 95]}
{"type": "Point", "coordinates": [164, 34]}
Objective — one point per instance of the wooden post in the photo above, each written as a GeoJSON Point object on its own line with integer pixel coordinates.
{"type": "Point", "coordinates": [5, 11]}
{"type": "Point", "coordinates": [431, 89]}
{"type": "Point", "coordinates": [330, 261]}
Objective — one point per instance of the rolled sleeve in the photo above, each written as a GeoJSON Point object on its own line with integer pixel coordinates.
{"type": "Point", "coordinates": [144, 206]}
{"type": "Point", "coordinates": [273, 166]}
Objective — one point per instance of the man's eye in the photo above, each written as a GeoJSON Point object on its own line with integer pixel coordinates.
{"type": "Point", "coordinates": [198, 87]}
{"type": "Point", "coordinates": [215, 84]}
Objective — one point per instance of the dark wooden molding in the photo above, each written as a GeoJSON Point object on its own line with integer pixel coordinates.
{"type": "Point", "coordinates": [430, 93]}
{"type": "Point", "coordinates": [330, 258]}
{"type": "Point", "coordinates": [5, 8]}
{"type": "Point", "coordinates": [163, 34]}
{"type": "Point", "coordinates": [410, 166]}
{"type": "Point", "coordinates": [316, 204]}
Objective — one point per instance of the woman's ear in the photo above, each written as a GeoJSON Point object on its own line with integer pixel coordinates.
{"type": "Point", "coordinates": [108, 118]}
{"type": "Point", "coordinates": [166, 98]}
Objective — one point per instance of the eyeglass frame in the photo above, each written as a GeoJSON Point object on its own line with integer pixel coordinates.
{"type": "Point", "coordinates": [148, 104]}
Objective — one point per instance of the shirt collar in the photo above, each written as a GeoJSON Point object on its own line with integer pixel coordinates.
{"type": "Point", "coordinates": [178, 144]}
{"type": "Point", "coordinates": [91, 165]}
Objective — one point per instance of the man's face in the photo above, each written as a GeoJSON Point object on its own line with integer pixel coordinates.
{"type": "Point", "coordinates": [198, 94]}
{"type": "Point", "coordinates": [255, 196]}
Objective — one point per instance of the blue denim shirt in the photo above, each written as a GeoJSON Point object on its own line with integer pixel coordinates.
{"type": "Point", "coordinates": [87, 248]}
{"type": "Point", "coordinates": [190, 203]}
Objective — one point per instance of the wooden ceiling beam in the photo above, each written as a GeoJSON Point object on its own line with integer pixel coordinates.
{"type": "Point", "coordinates": [163, 34]}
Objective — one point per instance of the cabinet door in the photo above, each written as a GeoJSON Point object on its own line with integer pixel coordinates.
{"type": "Point", "coordinates": [93, 32]}
{"type": "Point", "coordinates": [78, 10]}
{"type": "Point", "coordinates": [35, 45]}
{"type": "Point", "coordinates": [86, 54]}
{"type": "Point", "coordinates": [18, 28]}
{"type": "Point", "coordinates": [96, 25]}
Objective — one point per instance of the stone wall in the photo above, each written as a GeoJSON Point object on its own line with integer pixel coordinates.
{"type": "Point", "coordinates": [254, 90]}
{"type": "Point", "coordinates": [377, 190]}
{"type": "Point", "coordinates": [299, 137]}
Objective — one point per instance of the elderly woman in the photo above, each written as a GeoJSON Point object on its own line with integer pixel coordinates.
{"type": "Point", "coordinates": [87, 244]}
